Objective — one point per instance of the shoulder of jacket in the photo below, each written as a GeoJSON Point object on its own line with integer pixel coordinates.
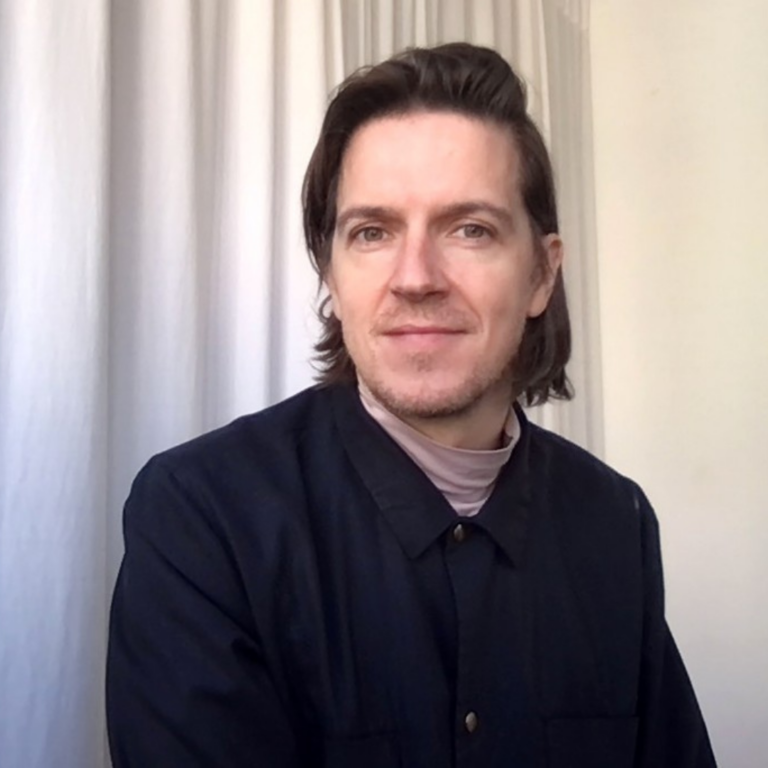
{"type": "Point", "coordinates": [268, 431]}
{"type": "Point", "coordinates": [569, 464]}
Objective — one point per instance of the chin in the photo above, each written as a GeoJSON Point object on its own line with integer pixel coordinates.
{"type": "Point", "coordinates": [427, 397]}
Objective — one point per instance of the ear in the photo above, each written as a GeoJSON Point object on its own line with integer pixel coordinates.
{"type": "Point", "coordinates": [552, 254]}
{"type": "Point", "coordinates": [330, 285]}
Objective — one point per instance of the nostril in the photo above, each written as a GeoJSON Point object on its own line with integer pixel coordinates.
{"type": "Point", "coordinates": [418, 293]}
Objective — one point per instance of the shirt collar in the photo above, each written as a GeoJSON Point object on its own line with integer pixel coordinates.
{"type": "Point", "coordinates": [414, 508]}
{"type": "Point", "coordinates": [464, 477]}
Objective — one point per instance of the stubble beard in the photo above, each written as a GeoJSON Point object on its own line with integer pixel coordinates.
{"type": "Point", "coordinates": [447, 405]}
{"type": "Point", "coordinates": [462, 399]}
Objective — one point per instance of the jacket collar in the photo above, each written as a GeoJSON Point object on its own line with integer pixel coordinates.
{"type": "Point", "coordinates": [415, 510]}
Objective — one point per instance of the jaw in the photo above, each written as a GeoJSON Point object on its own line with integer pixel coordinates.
{"type": "Point", "coordinates": [465, 417]}
{"type": "Point", "coordinates": [429, 389]}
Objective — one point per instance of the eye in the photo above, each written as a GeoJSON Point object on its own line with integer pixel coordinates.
{"type": "Point", "coordinates": [474, 231]}
{"type": "Point", "coordinates": [368, 234]}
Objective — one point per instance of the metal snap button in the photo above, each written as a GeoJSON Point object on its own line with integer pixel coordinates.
{"type": "Point", "coordinates": [459, 533]}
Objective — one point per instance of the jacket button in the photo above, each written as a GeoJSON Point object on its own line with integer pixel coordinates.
{"type": "Point", "coordinates": [459, 533]}
{"type": "Point", "coordinates": [471, 722]}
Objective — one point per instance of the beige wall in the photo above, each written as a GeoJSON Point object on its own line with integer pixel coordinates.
{"type": "Point", "coordinates": [680, 93]}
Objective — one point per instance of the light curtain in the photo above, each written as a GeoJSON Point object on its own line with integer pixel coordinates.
{"type": "Point", "coordinates": [153, 281]}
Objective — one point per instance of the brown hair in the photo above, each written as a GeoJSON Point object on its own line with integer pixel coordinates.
{"type": "Point", "coordinates": [469, 80]}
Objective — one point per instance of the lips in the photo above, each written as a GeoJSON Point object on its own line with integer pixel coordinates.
{"type": "Point", "coordinates": [422, 330]}
{"type": "Point", "coordinates": [421, 339]}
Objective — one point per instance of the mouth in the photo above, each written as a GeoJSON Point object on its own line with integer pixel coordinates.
{"type": "Point", "coordinates": [423, 330]}
{"type": "Point", "coordinates": [422, 338]}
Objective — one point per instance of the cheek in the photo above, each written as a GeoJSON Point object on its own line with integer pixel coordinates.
{"type": "Point", "coordinates": [506, 328]}
{"type": "Point", "coordinates": [346, 296]}
{"type": "Point", "coordinates": [356, 294]}
{"type": "Point", "coordinates": [352, 310]}
{"type": "Point", "coordinates": [503, 304]}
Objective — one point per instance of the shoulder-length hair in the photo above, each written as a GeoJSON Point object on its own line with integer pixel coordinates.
{"type": "Point", "coordinates": [469, 80]}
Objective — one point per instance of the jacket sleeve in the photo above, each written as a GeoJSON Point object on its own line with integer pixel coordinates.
{"type": "Point", "coordinates": [187, 686]}
{"type": "Point", "coordinates": [671, 729]}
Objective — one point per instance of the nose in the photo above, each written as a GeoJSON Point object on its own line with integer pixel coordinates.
{"type": "Point", "coordinates": [418, 272]}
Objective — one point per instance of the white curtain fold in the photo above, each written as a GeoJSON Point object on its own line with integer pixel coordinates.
{"type": "Point", "coordinates": [53, 376]}
{"type": "Point", "coordinates": [154, 282]}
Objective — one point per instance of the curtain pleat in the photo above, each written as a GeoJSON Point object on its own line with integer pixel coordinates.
{"type": "Point", "coordinates": [53, 380]}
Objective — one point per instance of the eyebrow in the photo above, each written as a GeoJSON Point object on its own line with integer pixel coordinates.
{"type": "Point", "coordinates": [453, 211]}
{"type": "Point", "coordinates": [470, 207]}
{"type": "Point", "coordinates": [378, 212]}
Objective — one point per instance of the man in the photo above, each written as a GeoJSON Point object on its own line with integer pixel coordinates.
{"type": "Point", "coordinates": [395, 568]}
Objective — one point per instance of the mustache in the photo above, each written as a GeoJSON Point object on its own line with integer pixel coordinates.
{"type": "Point", "coordinates": [416, 314]}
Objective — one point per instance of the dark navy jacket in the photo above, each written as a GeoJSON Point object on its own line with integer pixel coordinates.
{"type": "Point", "coordinates": [295, 593]}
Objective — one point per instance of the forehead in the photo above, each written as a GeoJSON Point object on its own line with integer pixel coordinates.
{"type": "Point", "coordinates": [429, 158]}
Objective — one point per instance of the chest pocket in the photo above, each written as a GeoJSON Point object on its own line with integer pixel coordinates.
{"type": "Point", "coordinates": [592, 742]}
{"type": "Point", "coordinates": [377, 751]}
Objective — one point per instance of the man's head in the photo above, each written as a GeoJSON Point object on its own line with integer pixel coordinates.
{"type": "Point", "coordinates": [430, 215]}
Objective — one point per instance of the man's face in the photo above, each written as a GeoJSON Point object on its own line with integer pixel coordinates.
{"type": "Point", "coordinates": [433, 269]}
